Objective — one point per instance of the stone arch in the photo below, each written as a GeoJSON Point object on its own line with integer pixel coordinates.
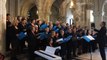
{"type": "Point", "coordinates": [26, 6]}
{"type": "Point", "coordinates": [55, 13]}
{"type": "Point", "coordinates": [104, 10]}
{"type": "Point", "coordinates": [33, 12]}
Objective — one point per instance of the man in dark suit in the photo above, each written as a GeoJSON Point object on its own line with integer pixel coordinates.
{"type": "Point", "coordinates": [8, 32]}
{"type": "Point", "coordinates": [101, 35]}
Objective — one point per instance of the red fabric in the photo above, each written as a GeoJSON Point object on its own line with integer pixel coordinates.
{"type": "Point", "coordinates": [1, 57]}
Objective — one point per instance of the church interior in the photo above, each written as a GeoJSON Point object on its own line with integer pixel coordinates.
{"type": "Point", "coordinates": [30, 28]}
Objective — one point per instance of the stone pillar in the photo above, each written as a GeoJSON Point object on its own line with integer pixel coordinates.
{"type": "Point", "coordinates": [97, 18]}
{"type": "Point", "coordinates": [40, 6]}
{"type": "Point", "coordinates": [98, 12]}
{"type": "Point", "coordinates": [40, 14]}
{"type": "Point", "coordinates": [2, 25]}
{"type": "Point", "coordinates": [63, 11]}
{"type": "Point", "coordinates": [18, 7]}
{"type": "Point", "coordinates": [44, 8]}
{"type": "Point", "coordinates": [47, 16]}
{"type": "Point", "coordinates": [104, 9]}
{"type": "Point", "coordinates": [12, 8]}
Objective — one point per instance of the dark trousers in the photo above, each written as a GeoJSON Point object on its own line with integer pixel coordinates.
{"type": "Point", "coordinates": [22, 44]}
{"type": "Point", "coordinates": [80, 46]}
{"type": "Point", "coordinates": [15, 49]}
{"type": "Point", "coordinates": [74, 48]}
{"type": "Point", "coordinates": [7, 44]}
{"type": "Point", "coordinates": [63, 51]}
{"type": "Point", "coordinates": [85, 47]}
{"type": "Point", "coordinates": [69, 50]}
{"type": "Point", "coordinates": [43, 44]}
{"type": "Point", "coordinates": [102, 50]}
{"type": "Point", "coordinates": [32, 48]}
{"type": "Point", "coordinates": [94, 45]}
{"type": "Point", "coordinates": [31, 54]}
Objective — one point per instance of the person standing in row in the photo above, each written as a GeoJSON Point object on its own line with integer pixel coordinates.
{"type": "Point", "coordinates": [32, 42]}
{"type": "Point", "coordinates": [14, 39]}
{"type": "Point", "coordinates": [22, 28]}
{"type": "Point", "coordinates": [63, 45]}
{"type": "Point", "coordinates": [8, 32]}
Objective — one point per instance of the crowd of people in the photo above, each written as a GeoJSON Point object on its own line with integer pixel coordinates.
{"type": "Point", "coordinates": [39, 34]}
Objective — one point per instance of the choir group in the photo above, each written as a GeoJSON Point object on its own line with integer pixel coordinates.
{"type": "Point", "coordinates": [39, 34]}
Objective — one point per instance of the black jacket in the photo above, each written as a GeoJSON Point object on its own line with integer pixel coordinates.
{"type": "Point", "coordinates": [8, 30]}
{"type": "Point", "coordinates": [22, 28]}
{"type": "Point", "coordinates": [14, 33]}
{"type": "Point", "coordinates": [32, 41]}
{"type": "Point", "coordinates": [101, 35]}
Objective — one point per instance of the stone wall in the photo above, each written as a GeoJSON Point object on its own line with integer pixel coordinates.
{"type": "Point", "coordinates": [2, 25]}
{"type": "Point", "coordinates": [21, 7]}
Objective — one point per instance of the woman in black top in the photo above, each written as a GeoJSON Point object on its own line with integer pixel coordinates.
{"type": "Point", "coordinates": [56, 38]}
{"type": "Point", "coordinates": [14, 39]}
{"type": "Point", "coordinates": [63, 45]}
{"type": "Point", "coordinates": [52, 40]}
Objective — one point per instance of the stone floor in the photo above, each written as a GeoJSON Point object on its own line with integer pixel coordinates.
{"type": "Point", "coordinates": [95, 56]}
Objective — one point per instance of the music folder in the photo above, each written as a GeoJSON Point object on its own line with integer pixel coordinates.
{"type": "Point", "coordinates": [43, 26]}
{"type": "Point", "coordinates": [21, 35]}
{"type": "Point", "coordinates": [88, 38]}
{"type": "Point", "coordinates": [59, 40]}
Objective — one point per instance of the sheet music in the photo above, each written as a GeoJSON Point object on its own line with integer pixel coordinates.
{"type": "Point", "coordinates": [59, 47]}
{"type": "Point", "coordinates": [61, 39]}
{"type": "Point", "coordinates": [90, 37]}
{"type": "Point", "coordinates": [50, 50]}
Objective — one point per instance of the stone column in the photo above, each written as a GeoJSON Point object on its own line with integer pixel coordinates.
{"type": "Point", "coordinates": [12, 8]}
{"type": "Point", "coordinates": [104, 9]}
{"type": "Point", "coordinates": [40, 5]}
{"type": "Point", "coordinates": [18, 7]}
{"type": "Point", "coordinates": [97, 12]}
{"type": "Point", "coordinates": [44, 8]}
{"type": "Point", "coordinates": [47, 16]}
{"type": "Point", "coordinates": [40, 14]}
{"type": "Point", "coordinates": [2, 25]}
{"type": "Point", "coordinates": [63, 11]}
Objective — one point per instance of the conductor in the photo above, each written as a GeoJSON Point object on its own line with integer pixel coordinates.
{"type": "Point", "coordinates": [101, 37]}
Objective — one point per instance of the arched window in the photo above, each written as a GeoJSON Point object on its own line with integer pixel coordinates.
{"type": "Point", "coordinates": [91, 16]}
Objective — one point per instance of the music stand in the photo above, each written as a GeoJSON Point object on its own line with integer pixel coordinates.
{"type": "Point", "coordinates": [88, 39]}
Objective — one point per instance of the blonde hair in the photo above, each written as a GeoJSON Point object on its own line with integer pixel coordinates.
{"type": "Point", "coordinates": [15, 22]}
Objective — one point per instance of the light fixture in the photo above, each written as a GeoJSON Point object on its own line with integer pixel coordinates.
{"type": "Point", "coordinates": [37, 12]}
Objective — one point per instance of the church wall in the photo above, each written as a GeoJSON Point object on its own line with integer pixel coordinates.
{"type": "Point", "coordinates": [2, 25]}
{"type": "Point", "coordinates": [97, 8]}
{"type": "Point", "coordinates": [21, 7]}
